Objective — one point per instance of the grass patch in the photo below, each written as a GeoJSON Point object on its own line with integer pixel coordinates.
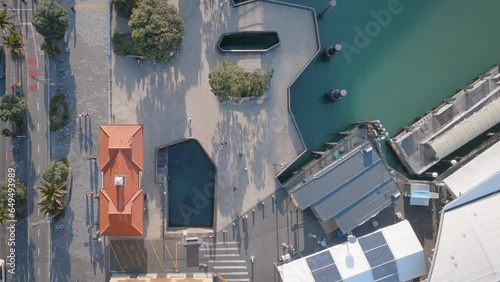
{"type": "Point", "coordinates": [123, 44]}
{"type": "Point", "coordinates": [58, 112]}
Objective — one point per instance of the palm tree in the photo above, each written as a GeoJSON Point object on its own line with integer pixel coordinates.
{"type": "Point", "coordinates": [6, 23]}
{"type": "Point", "coordinates": [14, 42]}
{"type": "Point", "coordinates": [52, 198]}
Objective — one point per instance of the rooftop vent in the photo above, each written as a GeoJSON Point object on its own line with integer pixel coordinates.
{"type": "Point", "coordinates": [119, 180]}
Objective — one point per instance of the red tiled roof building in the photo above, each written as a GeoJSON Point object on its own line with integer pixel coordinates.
{"type": "Point", "coordinates": [121, 198]}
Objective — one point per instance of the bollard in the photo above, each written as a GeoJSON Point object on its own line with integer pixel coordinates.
{"type": "Point", "coordinates": [330, 51]}
{"type": "Point", "coordinates": [335, 95]}
{"type": "Point", "coordinates": [327, 9]}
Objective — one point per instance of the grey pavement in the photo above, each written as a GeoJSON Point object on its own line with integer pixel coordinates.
{"type": "Point", "coordinates": [82, 75]}
{"type": "Point", "coordinates": [164, 96]}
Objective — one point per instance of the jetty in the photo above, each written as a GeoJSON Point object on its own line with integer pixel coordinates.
{"type": "Point", "coordinates": [469, 113]}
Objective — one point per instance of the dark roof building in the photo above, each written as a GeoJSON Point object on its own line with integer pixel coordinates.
{"type": "Point", "coordinates": [348, 191]}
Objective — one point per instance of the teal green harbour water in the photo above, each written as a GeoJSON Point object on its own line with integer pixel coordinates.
{"type": "Point", "coordinates": [399, 59]}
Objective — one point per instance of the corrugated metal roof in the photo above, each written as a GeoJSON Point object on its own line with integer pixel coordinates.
{"type": "Point", "coordinates": [481, 168]}
{"type": "Point", "coordinates": [468, 247]}
{"type": "Point", "coordinates": [350, 191]}
{"type": "Point", "coordinates": [466, 130]}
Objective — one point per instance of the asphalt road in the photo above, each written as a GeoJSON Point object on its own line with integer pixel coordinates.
{"type": "Point", "coordinates": [38, 229]}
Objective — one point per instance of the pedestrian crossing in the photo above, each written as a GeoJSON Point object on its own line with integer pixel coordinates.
{"type": "Point", "coordinates": [224, 259]}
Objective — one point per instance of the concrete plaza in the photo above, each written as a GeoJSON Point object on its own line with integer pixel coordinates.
{"type": "Point", "coordinates": [162, 97]}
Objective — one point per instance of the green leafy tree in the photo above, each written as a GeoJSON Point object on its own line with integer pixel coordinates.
{"type": "Point", "coordinates": [12, 108]}
{"type": "Point", "coordinates": [17, 193]}
{"type": "Point", "coordinates": [50, 47]}
{"type": "Point", "coordinates": [4, 215]}
{"type": "Point", "coordinates": [57, 172]}
{"type": "Point", "coordinates": [50, 20]}
{"type": "Point", "coordinates": [123, 44]}
{"type": "Point", "coordinates": [157, 29]}
{"type": "Point", "coordinates": [58, 112]}
{"type": "Point", "coordinates": [14, 42]}
{"type": "Point", "coordinates": [228, 81]}
{"type": "Point", "coordinates": [6, 22]}
{"type": "Point", "coordinates": [51, 202]}
{"type": "Point", "coordinates": [124, 7]}
{"type": "Point", "coordinates": [6, 132]}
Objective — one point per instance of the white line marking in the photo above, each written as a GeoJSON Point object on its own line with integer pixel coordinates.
{"type": "Point", "coordinates": [230, 267]}
{"type": "Point", "coordinates": [226, 261]}
{"type": "Point", "coordinates": [221, 255]}
{"type": "Point", "coordinates": [234, 273]}
{"type": "Point", "coordinates": [38, 148]}
{"type": "Point", "coordinates": [38, 211]}
{"type": "Point", "coordinates": [222, 243]}
{"type": "Point", "coordinates": [34, 45]}
{"type": "Point", "coordinates": [38, 251]}
{"type": "Point", "coordinates": [38, 128]}
{"type": "Point", "coordinates": [219, 249]}
{"type": "Point", "coordinates": [37, 106]}
{"type": "Point", "coordinates": [38, 232]}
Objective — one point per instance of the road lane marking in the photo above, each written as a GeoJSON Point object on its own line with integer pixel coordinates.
{"type": "Point", "coordinates": [174, 261]}
{"type": "Point", "coordinates": [38, 211]}
{"type": "Point", "coordinates": [38, 251]}
{"type": "Point", "coordinates": [219, 249]}
{"type": "Point", "coordinates": [156, 254]}
{"type": "Point", "coordinates": [116, 257]}
{"type": "Point", "coordinates": [38, 129]}
{"type": "Point", "coordinates": [38, 106]}
{"type": "Point", "coordinates": [223, 243]}
{"type": "Point", "coordinates": [38, 232]}
{"type": "Point", "coordinates": [38, 148]}
{"type": "Point", "coordinates": [6, 156]}
{"type": "Point", "coordinates": [222, 255]}
{"type": "Point", "coordinates": [34, 45]}
{"type": "Point", "coordinates": [227, 261]}
{"type": "Point", "coordinates": [230, 267]}
{"type": "Point", "coordinates": [128, 253]}
{"type": "Point", "coordinates": [140, 251]}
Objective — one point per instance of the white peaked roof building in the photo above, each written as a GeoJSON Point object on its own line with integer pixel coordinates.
{"type": "Point", "coordinates": [474, 172]}
{"type": "Point", "coordinates": [392, 253]}
{"type": "Point", "coordinates": [468, 242]}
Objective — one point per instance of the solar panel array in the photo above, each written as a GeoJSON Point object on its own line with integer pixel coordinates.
{"type": "Point", "coordinates": [379, 257]}
{"type": "Point", "coordinates": [323, 267]}
{"type": "Point", "coordinates": [377, 253]}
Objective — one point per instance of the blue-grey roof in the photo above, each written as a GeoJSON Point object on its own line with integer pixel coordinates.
{"type": "Point", "coordinates": [350, 191]}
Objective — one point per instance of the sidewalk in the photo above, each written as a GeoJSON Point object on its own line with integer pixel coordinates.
{"type": "Point", "coordinates": [82, 75]}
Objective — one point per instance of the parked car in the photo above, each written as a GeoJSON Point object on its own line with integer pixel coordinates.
{"type": "Point", "coordinates": [2, 270]}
